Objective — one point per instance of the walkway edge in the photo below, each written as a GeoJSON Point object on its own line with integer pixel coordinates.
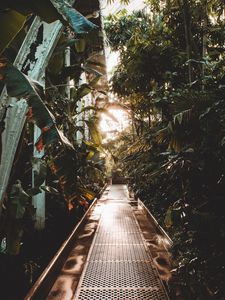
{"type": "Point", "coordinates": [44, 283]}
{"type": "Point", "coordinates": [148, 213]}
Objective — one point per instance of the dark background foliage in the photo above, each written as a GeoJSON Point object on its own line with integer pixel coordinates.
{"type": "Point", "coordinates": [171, 77]}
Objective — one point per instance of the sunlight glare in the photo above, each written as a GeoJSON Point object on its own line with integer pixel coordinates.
{"type": "Point", "coordinates": [111, 126]}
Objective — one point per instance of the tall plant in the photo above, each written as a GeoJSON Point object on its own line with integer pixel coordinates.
{"type": "Point", "coordinates": [173, 69]}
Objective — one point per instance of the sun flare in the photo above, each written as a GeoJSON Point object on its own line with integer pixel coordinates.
{"type": "Point", "coordinates": [113, 122]}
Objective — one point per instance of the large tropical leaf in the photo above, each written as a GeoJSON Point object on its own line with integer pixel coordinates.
{"type": "Point", "coordinates": [170, 135]}
{"type": "Point", "coordinates": [13, 15]}
{"type": "Point", "coordinates": [183, 117]}
{"type": "Point", "coordinates": [80, 45]}
{"type": "Point", "coordinates": [19, 86]}
{"type": "Point", "coordinates": [11, 22]}
{"type": "Point", "coordinates": [95, 80]}
{"type": "Point", "coordinates": [50, 11]}
{"type": "Point", "coordinates": [139, 146]}
{"type": "Point", "coordinates": [42, 8]}
{"type": "Point", "coordinates": [95, 134]}
{"type": "Point", "coordinates": [71, 16]}
{"type": "Point", "coordinates": [92, 63]}
{"type": "Point", "coordinates": [83, 90]}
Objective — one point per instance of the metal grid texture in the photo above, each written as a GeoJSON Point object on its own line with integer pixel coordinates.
{"type": "Point", "coordinates": [119, 265]}
{"type": "Point", "coordinates": [125, 294]}
{"type": "Point", "coordinates": [119, 237]}
{"type": "Point", "coordinates": [110, 253]}
{"type": "Point", "coordinates": [129, 274]}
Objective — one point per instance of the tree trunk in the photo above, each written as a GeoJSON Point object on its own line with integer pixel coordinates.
{"type": "Point", "coordinates": [204, 39]}
{"type": "Point", "coordinates": [184, 6]}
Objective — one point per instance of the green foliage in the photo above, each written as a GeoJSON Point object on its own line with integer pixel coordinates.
{"type": "Point", "coordinates": [18, 85]}
{"type": "Point", "coordinates": [173, 155]}
{"type": "Point", "coordinates": [70, 173]}
{"type": "Point", "coordinates": [72, 17]}
{"type": "Point", "coordinates": [14, 14]}
{"type": "Point", "coordinates": [12, 22]}
{"type": "Point", "coordinates": [17, 207]}
{"type": "Point", "coordinates": [153, 48]}
{"type": "Point", "coordinates": [78, 171]}
{"type": "Point", "coordinates": [96, 136]}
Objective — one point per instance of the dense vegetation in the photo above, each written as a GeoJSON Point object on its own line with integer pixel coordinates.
{"type": "Point", "coordinates": [171, 78]}
{"type": "Point", "coordinates": [70, 170]}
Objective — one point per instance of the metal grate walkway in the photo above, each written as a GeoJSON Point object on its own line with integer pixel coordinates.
{"type": "Point", "coordinates": [119, 266]}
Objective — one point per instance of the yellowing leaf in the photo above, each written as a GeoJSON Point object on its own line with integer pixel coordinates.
{"type": "Point", "coordinates": [168, 219]}
{"type": "Point", "coordinates": [11, 22]}
{"type": "Point", "coordinates": [80, 45]}
{"type": "Point", "coordinates": [89, 196]}
{"type": "Point", "coordinates": [95, 134]}
{"type": "Point", "coordinates": [90, 154]}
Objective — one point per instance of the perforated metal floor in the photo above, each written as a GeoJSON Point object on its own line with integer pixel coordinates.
{"type": "Point", "coordinates": [119, 265]}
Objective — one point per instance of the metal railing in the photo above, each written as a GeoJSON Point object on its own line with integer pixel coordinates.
{"type": "Point", "coordinates": [44, 283]}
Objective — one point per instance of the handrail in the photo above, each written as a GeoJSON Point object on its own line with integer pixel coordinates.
{"type": "Point", "coordinates": [42, 286]}
{"type": "Point", "coordinates": [155, 221]}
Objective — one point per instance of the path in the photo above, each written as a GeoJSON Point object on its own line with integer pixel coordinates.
{"type": "Point", "coordinates": [119, 265]}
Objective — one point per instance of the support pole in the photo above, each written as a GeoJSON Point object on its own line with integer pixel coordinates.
{"type": "Point", "coordinates": [38, 200]}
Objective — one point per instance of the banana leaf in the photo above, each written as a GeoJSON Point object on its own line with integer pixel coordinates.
{"type": "Point", "coordinates": [50, 11]}
{"type": "Point", "coordinates": [95, 134]}
{"type": "Point", "coordinates": [14, 14]}
{"type": "Point", "coordinates": [83, 90]}
{"type": "Point", "coordinates": [11, 22]}
{"type": "Point", "coordinates": [91, 63]}
{"type": "Point", "coordinates": [42, 8]}
{"type": "Point", "coordinates": [71, 16]}
{"type": "Point", "coordinates": [91, 146]}
{"type": "Point", "coordinates": [64, 166]}
{"type": "Point", "coordinates": [95, 80]}
{"type": "Point", "coordinates": [89, 70]}
{"type": "Point", "coordinates": [19, 86]}
{"type": "Point", "coordinates": [80, 45]}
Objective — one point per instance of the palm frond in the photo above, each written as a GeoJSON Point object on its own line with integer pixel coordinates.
{"type": "Point", "coordinates": [183, 117]}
